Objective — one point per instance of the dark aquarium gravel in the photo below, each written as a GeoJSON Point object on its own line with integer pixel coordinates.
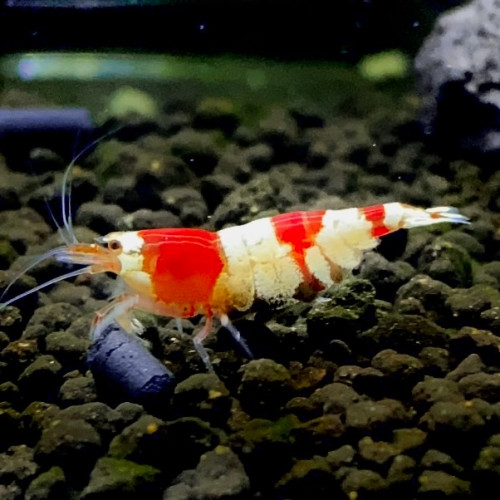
{"type": "Point", "coordinates": [388, 386]}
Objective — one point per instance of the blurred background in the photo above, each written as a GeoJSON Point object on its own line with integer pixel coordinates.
{"type": "Point", "coordinates": [344, 30]}
{"type": "Point", "coordinates": [332, 56]}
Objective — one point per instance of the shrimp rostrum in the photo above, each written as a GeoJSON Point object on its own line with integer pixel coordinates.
{"type": "Point", "coordinates": [185, 272]}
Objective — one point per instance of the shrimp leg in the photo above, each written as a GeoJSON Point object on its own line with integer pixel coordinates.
{"type": "Point", "coordinates": [226, 323]}
{"type": "Point", "coordinates": [118, 310]}
{"type": "Point", "coordinates": [198, 343]}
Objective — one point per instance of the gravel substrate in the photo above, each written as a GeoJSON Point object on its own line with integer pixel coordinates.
{"type": "Point", "coordinates": [387, 387]}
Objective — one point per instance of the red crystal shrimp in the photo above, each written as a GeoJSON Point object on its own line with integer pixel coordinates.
{"type": "Point", "coordinates": [185, 272]}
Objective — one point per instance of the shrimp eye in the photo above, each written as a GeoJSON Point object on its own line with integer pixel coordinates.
{"type": "Point", "coordinates": [114, 245]}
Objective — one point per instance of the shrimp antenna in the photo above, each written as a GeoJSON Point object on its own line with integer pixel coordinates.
{"type": "Point", "coordinates": [66, 230]}
{"type": "Point", "coordinates": [30, 265]}
{"type": "Point", "coordinates": [71, 274]}
{"type": "Point", "coordinates": [60, 230]}
{"type": "Point", "coordinates": [66, 210]}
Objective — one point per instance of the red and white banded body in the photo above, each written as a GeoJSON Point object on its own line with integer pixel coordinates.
{"type": "Point", "coordinates": [185, 272]}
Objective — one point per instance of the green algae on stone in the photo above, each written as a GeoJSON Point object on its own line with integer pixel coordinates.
{"type": "Point", "coordinates": [396, 365]}
{"type": "Point", "coordinates": [485, 386]}
{"type": "Point", "coordinates": [151, 440]}
{"type": "Point", "coordinates": [376, 416]}
{"type": "Point", "coordinates": [347, 308]}
{"type": "Point", "coordinates": [138, 437]}
{"type": "Point", "coordinates": [309, 478]}
{"type": "Point", "coordinates": [491, 319]}
{"type": "Point", "coordinates": [438, 484]}
{"type": "Point", "coordinates": [19, 354]}
{"type": "Point", "coordinates": [469, 365]}
{"type": "Point", "coordinates": [66, 347]}
{"type": "Point", "coordinates": [50, 318]}
{"type": "Point", "coordinates": [387, 277]}
{"type": "Point", "coordinates": [262, 442]}
{"type": "Point", "coordinates": [43, 366]}
{"type": "Point", "coordinates": [36, 417]}
{"type": "Point", "coordinates": [447, 262]}
{"type": "Point", "coordinates": [466, 304]}
{"type": "Point", "coordinates": [467, 241]}
{"type": "Point", "coordinates": [436, 360]}
{"type": "Point", "coordinates": [265, 386]}
{"type": "Point", "coordinates": [10, 393]}
{"type": "Point", "coordinates": [433, 390]}
{"type": "Point", "coordinates": [344, 456]}
{"type": "Point", "coordinates": [306, 378]}
{"type": "Point", "coordinates": [115, 476]}
{"type": "Point", "coordinates": [368, 381]}
{"type": "Point", "coordinates": [377, 452]}
{"type": "Point", "coordinates": [437, 460]}
{"type": "Point", "coordinates": [405, 333]}
{"type": "Point", "coordinates": [408, 439]}
{"type": "Point", "coordinates": [334, 398]}
{"type": "Point", "coordinates": [73, 444]}
{"type": "Point", "coordinates": [218, 475]}
{"type": "Point", "coordinates": [320, 434]}
{"type": "Point", "coordinates": [363, 484]}
{"type": "Point", "coordinates": [401, 473]}
{"type": "Point", "coordinates": [42, 378]}
{"type": "Point", "coordinates": [260, 431]}
{"type": "Point", "coordinates": [105, 420]}
{"type": "Point", "coordinates": [489, 274]}
{"type": "Point", "coordinates": [49, 485]}
{"type": "Point", "coordinates": [449, 420]}
{"type": "Point", "coordinates": [78, 389]}
{"type": "Point", "coordinates": [203, 395]}
{"type": "Point", "coordinates": [10, 419]}
{"type": "Point", "coordinates": [17, 465]}
{"type": "Point", "coordinates": [11, 320]}
{"type": "Point", "coordinates": [7, 253]}
{"type": "Point", "coordinates": [471, 340]}
{"type": "Point", "coordinates": [431, 294]}
{"type": "Point", "coordinates": [488, 462]}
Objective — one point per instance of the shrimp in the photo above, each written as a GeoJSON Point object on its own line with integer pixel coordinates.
{"type": "Point", "coordinates": [185, 272]}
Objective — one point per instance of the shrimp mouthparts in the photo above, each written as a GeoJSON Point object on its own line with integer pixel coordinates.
{"type": "Point", "coordinates": [83, 254]}
{"type": "Point", "coordinates": [94, 257]}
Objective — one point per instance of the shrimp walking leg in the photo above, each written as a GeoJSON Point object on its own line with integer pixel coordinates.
{"type": "Point", "coordinates": [118, 310]}
{"type": "Point", "coordinates": [226, 323]}
{"type": "Point", "coordinates": [198, 343]}
{"type": "Point", "coordinates": [178, 324]}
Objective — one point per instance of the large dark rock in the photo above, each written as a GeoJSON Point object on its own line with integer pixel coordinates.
{"type": "Point", "coordinates": [458, 76]}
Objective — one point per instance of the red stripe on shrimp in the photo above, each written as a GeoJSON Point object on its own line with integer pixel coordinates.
{"type": "Point", "coordinates": [299, 230]}
{"type": "Point", "coordinates": [184, 265]}
{"type": "Point", "coordinates": [376, 215]}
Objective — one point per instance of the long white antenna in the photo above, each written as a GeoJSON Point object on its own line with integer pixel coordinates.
{"type": "Point", "coordinates": [66, 210]}
{"type": "Point", "coordinates": [71, 274]}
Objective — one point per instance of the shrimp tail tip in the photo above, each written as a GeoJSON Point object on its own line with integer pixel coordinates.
{"type": "Point", "coordinates": [448, 214]}
{"type": "Point", "coordinates": [417, 217]}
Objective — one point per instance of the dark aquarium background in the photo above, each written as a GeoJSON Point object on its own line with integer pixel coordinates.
{"type": "Point", "coordinates": [211, 114]}
{"type": "Point", "coordinates": [292, 30]}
